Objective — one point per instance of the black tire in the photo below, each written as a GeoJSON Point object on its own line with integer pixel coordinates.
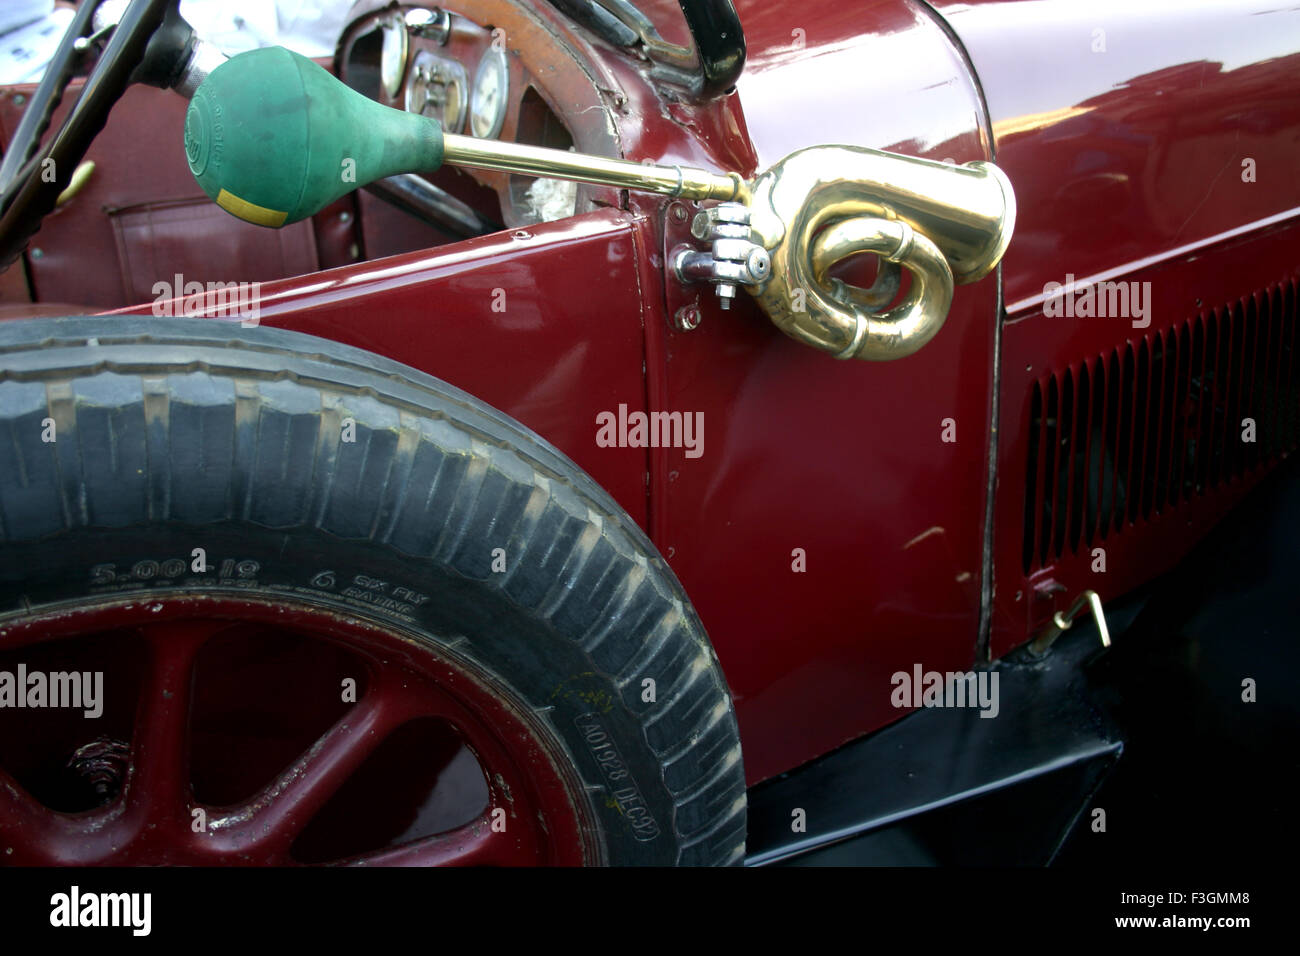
{"type": "Point", "coordinates": [168, 429]}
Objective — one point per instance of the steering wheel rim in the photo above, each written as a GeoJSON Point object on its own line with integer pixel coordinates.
{"type": "Point", "coordinates": [27, 196]}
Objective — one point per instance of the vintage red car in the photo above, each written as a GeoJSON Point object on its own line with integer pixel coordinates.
{"type": "Point", "coordinates": [461, 450]}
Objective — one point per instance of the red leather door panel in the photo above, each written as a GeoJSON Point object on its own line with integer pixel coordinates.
{"type": "Point", "coordinates": [142, 219]}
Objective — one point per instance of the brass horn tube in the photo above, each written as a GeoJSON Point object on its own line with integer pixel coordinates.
{"type": "Point", "coordinates": [684, 181]}
{"type": "Point", "coordinates": [905, 328]}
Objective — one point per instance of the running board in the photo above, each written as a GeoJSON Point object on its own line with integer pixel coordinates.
{"type": "Point", "coordinates": [939, 757]}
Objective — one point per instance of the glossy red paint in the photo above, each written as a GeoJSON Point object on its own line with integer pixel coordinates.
{"type": "Point", "coordinates": [844, 461]}
{"type": "Point", "coordinates": [1146, 143]}
{"type": "Point", "coordinates": [841, 461]}
{"type": "Point", "coordinates": [1035, 346]}
{"type": "Point", "coordinates": [1119, 161]}
{"type": "Point", "coordinates": [1124, 126]}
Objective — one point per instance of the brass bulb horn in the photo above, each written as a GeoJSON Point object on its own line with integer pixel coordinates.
{"type": "Point", "coordinates": [273, 138]}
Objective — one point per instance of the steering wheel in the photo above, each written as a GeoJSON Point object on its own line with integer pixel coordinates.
{"type": "Point", "coordinates": [150, 44]}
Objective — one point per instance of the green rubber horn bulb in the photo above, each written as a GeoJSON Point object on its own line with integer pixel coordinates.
{"type": "Point", "coordinates": [273, 138]}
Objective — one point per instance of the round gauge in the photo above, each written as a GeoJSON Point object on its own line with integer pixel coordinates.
{"type": "Point", "coordinates": [392, 56]}
{"type": "Point", "coordinates": [438, 88]}
{"type": "Point", "coordinates": [487, 108]}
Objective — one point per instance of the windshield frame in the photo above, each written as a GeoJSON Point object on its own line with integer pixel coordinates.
{"type": "Point", "coordinates": [705, 72]}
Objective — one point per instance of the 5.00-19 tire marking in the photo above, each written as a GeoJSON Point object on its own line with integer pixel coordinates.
{"type": "Point", "coordinates": [107, 577]}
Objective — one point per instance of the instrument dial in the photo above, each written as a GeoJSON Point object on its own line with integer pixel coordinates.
{"type": "Point", "coordinates": [438, 88]}
{"type": "Point", "coordinates": [488, 104]}
{"type": "Point", "coordinates": [392, 56]}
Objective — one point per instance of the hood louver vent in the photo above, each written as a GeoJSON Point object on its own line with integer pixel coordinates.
{"type": "Point", "coordinates": [1122, 438]}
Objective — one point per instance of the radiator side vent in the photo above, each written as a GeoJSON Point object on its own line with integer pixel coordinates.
{"type": "Point", "coordinates": [1118, 440]}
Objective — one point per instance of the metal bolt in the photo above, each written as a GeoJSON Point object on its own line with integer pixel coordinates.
{"type": "Point", "coordinates": [679, 213]}
{"type": "Point", "coordinates": [345, 217]}
{"type": "Point", "coordinates": [19, 99]}
{"type": "Point", "coordinates": [700, 225]}
{"type": "Point", "coordinates": [759, 264]}
{"type": "Point", "coordinates": [38, 253]}
{"type": "Point", "coordinates": [687, 318]}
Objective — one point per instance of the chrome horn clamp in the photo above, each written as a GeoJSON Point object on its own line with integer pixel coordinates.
{"type": "Point", "coordinates": [733, 258]}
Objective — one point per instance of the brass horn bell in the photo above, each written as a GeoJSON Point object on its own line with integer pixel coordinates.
{"type": "Point", "coordinates": [942, 223]}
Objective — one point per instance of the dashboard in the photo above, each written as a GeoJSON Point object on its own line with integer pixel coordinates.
{"type": "Point", "coordinates": [493, 70]}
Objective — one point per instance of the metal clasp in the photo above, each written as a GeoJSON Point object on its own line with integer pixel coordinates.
{"type": "Point", "coordinates": [434, 24]}
{"type": "Point", "coordinates": [734, 258]}
{"type": "Point", "coordinates": [1062, 620]}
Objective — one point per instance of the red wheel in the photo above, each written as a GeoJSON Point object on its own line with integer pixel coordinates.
{"type": "Point", "coordinates": [426, 760]}
{"type": "Point", "coordinates": [342, 612]}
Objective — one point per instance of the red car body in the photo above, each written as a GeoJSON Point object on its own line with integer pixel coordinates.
{"type": "Point", "coordinates": [833, 532]}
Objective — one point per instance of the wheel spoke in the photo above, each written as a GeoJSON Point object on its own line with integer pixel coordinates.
{"type": "Point", "coordinates": [418, 698]}
{"type": "Point", "coordinates": [25, 826]}
{"type": "Point", "coordinates": [151, 815]}
{"type": "Point", "coordinates": [271, 821]}
{"type": "Point", "coordinates": [159, 782]}
{"type": "Point", "coordinates": [31, 834]}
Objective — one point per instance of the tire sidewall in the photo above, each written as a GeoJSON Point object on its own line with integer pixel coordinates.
{"type": "Point", "coordinates": [622, 787]}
